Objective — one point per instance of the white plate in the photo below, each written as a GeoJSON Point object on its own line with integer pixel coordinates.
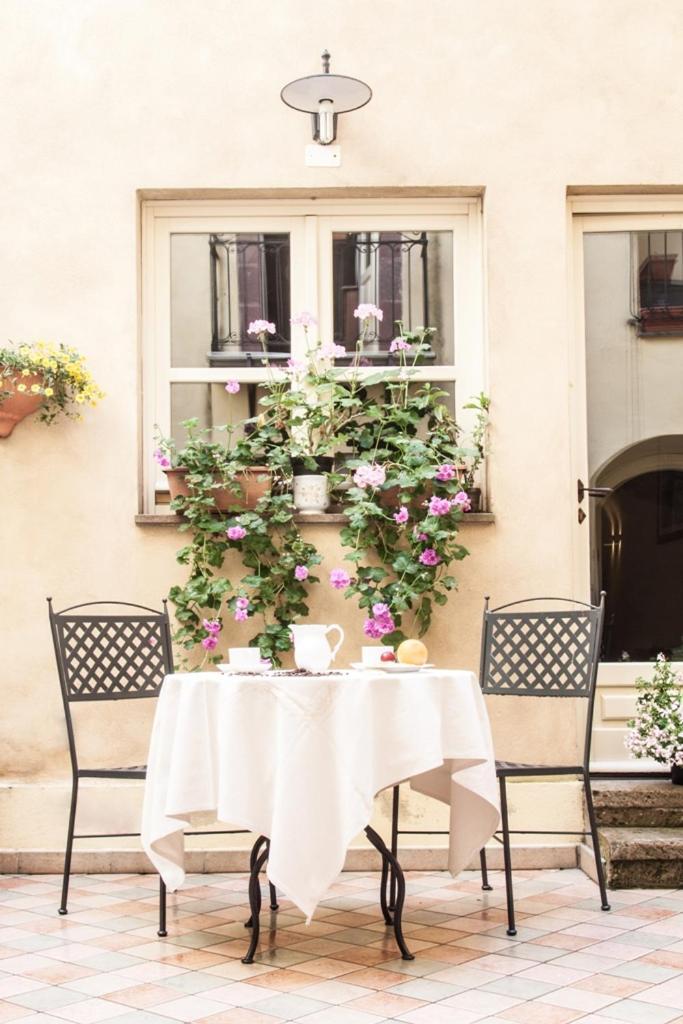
{"type": "Point", "coordinates": [388, 666]}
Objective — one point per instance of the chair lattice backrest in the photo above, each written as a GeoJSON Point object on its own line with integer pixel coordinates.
{"type": "Point", "coordinates": [113, 656]}
{"type": "Point", "coordinates": [541, 653]}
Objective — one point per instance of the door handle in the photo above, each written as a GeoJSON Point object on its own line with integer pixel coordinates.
{"type": "Point", "coordinates": [592, 492]}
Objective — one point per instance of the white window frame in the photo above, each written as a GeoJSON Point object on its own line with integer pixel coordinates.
{"type": "Point", "coordinates": [310, 224]}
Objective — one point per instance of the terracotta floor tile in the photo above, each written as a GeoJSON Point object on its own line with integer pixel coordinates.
{"type": "Point", "coordinates": [238, 1015]}
{"type": "Point", "coordinates": [612, 985]}
{"type": "Point", "coordinates": [141, 996]}
{"type": "Point", "coordinates": [384, 1004]}
{"type": "Point", "coordinates": [326, 967]}
{"type": "Point", "coordinates": [374, 979]}
{"type": "Point", "coordinates": [362, 955]}
{"type": "Point", "coordinates": [283, 981]}
{"type": "Point", "coordinates": [665, 958]}
{"type": "Point", "coordinates": [8, 1011]}
{"type": "Point", "coordinates": [541, 1013]}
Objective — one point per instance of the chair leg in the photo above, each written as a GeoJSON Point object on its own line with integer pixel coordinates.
{"type": "Point", "coordinates": [69, 846]}
{"type": "Point", "coordinates": [271, 888]}
{"type": "Point", "coordinates": [274, 905]}
{"type": "Point", "coordinates": [484, 871]}
{"type": "Point", "coordinates": [162, 933]}
{"type": "Point", "coordinates": [507, 857]}
{"type": "Point", "coordinates": [394, 847]}
{"type": "Point", "coordinates": [596, 844]}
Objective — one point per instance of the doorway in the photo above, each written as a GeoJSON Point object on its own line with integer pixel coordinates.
{"type": "Point", "coordinates": [641, 567]}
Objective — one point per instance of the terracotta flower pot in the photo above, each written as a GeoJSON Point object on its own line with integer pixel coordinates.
{"type": "Point", "coordinates": [254, 484]}
{"type": "Point", "coordinates": [19, 404]}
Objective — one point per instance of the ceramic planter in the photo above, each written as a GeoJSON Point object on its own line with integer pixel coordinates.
{"type": "Point", "coordinates": [310, 488]}
{"type": "Point", "coordinates": [18, 405]}
{"type": "Point", "coordinates": [253, 484]}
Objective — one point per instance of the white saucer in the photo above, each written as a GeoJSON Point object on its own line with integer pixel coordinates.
{"type": "Point", "coordinates": [389, 666]}
{"type": "Point", "coordinates": [230, 670]}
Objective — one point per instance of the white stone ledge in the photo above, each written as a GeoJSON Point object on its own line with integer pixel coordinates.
{"type": "Point", "coordinates": [131, 861]}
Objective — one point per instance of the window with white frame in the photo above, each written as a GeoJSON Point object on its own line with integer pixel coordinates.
{"type": "Point", "coordinates": [209, 269]}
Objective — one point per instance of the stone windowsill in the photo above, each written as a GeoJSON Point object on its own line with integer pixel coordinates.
{"type": "Point", "coordinates": [324, 518]}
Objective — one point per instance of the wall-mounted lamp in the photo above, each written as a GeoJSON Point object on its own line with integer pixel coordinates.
{"type": "Point", "coordinates": [325, 97]}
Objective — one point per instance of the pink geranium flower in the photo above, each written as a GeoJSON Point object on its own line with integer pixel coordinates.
{"type": "Point", "coordinates": [242, 602]}
{"type": "Point", "coordinates": [401, 516]}
{"type": "Point", "coordinates": [366, 310]}
{"type": "Point", "coordinates": [328, 350]}
{"type": "Point", "coordinates": [462, 499]}
{"type": "Point", "coordinates": [372, 629]}
{"type": "Point", "coordinates": [212, 625]}
{"type": "Point", "coordinates": [232, 387]}
{"type": "Point", "coordinates": [236, 533]}
{"type": "Point", "coordinates": [241, 614]}
{"type": "Point", "coordinates": [303, 319]}
{"type": "Point", "coordinates": [399, 345]}
{"type": "Point", "coordinates": [429, 557]}
{"type": "Point", "coordinates": [162, 459]}
{"type": "Point", "coordinates": [369, 475]}
{"type": "Point", "coordinates": [261, 327]}
{"type": "Point", "coordinates": [210, 642]}
{"type": "Point", "coordinates": [445, 472]}
{"type": "Point", "coordinates": [439, 506]}
{"type": "Point", "coordinates": [340, 579]}
{"type": "Point", "coordinates": [381, 623]}
{"type": "Point", "coordinates": [301, 573]}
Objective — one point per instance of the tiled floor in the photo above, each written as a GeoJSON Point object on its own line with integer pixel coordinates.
{"type": "Point", "coordinates": [569, 961]}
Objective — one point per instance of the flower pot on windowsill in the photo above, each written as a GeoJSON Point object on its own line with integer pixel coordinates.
{"type": "Point", "coordinates": [18, 405]}
{"type": "Point", "coordinates": [310, 490]}
{"type": "Point", "coordinates": [252, 485]}
{"type": "Point", "coordinates": [474, 494]}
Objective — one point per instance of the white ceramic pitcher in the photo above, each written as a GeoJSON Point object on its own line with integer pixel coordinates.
{"type": "Point", "coordinates": [312, 651]}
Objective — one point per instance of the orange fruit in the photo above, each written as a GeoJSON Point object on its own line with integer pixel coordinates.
{"type": "Point", "coordinates": [412, 652]}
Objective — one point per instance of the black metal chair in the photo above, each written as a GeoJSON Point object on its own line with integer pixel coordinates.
{"type": "Point", "coordinates": [539, 654]}
{"type": "Point", "coordinates": [103, 657]}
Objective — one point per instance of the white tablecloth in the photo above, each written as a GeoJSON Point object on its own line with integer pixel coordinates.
{"type": "Point", "coordinates": [300, 759]}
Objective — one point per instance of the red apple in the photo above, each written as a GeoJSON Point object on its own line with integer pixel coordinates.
{"type": "Point", "coordinates": [387, 656]}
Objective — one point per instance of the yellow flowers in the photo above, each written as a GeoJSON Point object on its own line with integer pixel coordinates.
{"type": "Point", "coordinates": [60, 377]}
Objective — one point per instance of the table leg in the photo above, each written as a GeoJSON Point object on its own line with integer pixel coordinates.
{"type": "Point", "coordinates": [388, 857]}
{"type": "Point", "coordinates": [255, 904]}
{"type": "Point", "coordinates": [253, 857]}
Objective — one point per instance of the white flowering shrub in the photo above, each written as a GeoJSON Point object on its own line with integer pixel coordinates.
{"type": "Point", "coordinates": [657, 730]}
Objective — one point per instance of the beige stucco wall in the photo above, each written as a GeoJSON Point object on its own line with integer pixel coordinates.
{"type": "Point", "coordinates": [100, 99]}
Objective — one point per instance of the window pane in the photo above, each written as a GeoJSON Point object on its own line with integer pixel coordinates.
{"type": "Point", "coordinates": [659, 256]}
{"type": "Point", "coordinates": [212, 406]}
{"type": "Point", "coordinates": [409, 275]}
{"type": "Point", "coordinates": [219, 284]}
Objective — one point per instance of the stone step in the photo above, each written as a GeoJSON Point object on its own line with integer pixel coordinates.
{"type": "Point", "coordinates": [636, 804]}
{"type": "Point", "coordinates": [642, 858]}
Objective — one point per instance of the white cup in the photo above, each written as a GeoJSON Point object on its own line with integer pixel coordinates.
{"type": "Point", "coordinates": [373, 655]}
{"type": "Point", "coordinates": [248, 658]}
